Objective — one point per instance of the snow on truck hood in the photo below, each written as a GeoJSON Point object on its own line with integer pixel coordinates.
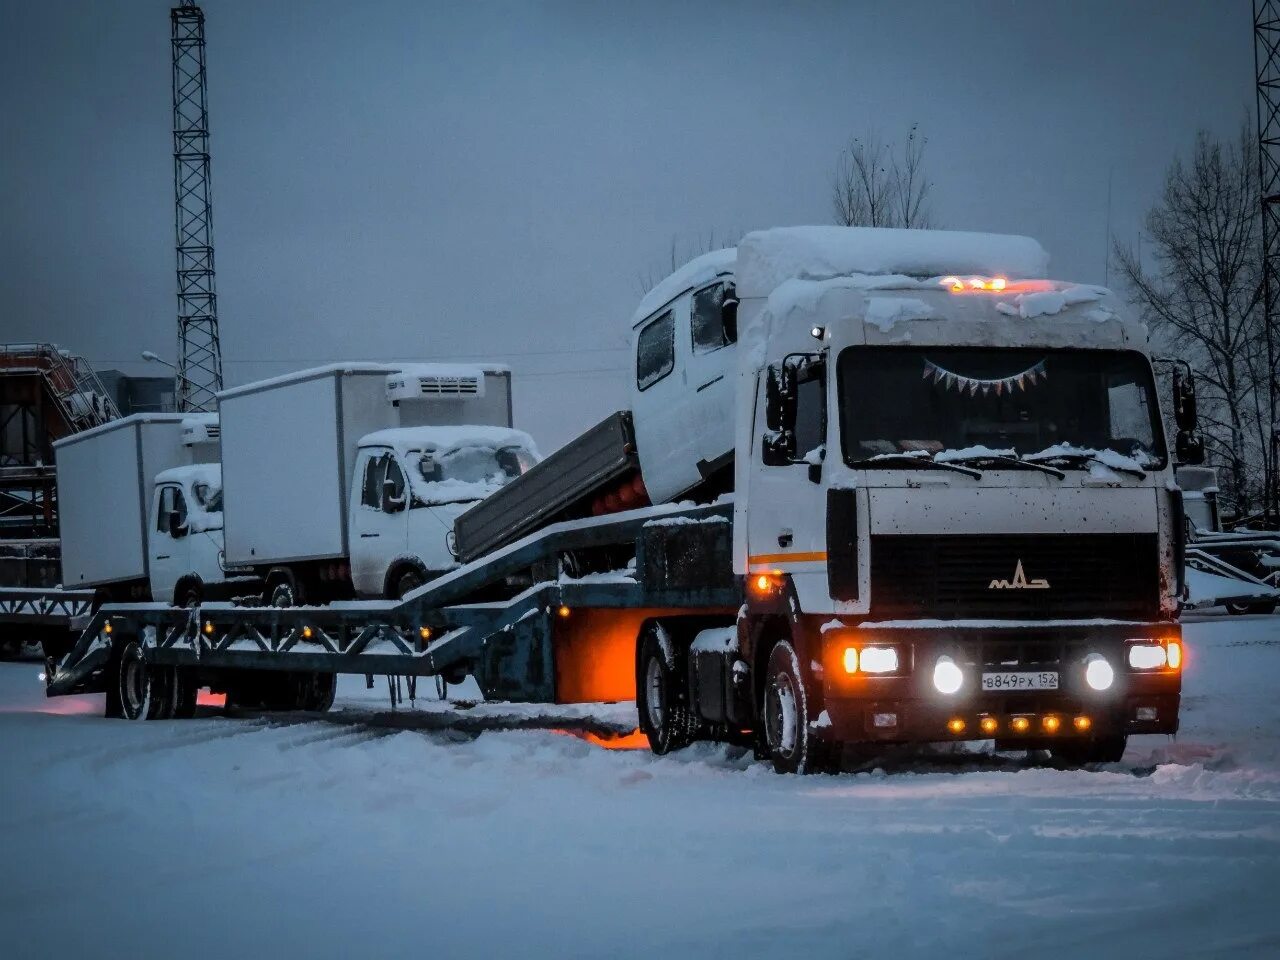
{"type": "Point", "coordinates": [405, 439]}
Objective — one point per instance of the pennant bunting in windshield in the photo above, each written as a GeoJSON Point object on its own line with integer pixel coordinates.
{"type": "Point", "coordinates": [975, 385]}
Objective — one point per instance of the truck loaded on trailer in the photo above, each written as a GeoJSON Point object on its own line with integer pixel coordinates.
{"type": "Point", "coordinates": [344, 481]}
{"type": "Point", "coordinates": [875, 487]}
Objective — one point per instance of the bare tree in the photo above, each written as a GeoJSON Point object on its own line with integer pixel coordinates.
{"type": "Point", "coordinates": [876, 184]}
{"type": "Point", "coordinates": [1203, 297]}
{"type": "Point", "coordinates": [681, 253]}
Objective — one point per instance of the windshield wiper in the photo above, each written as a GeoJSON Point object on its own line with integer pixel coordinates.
{"type": "Point", "coordinates": [1012, 463]}
{"type": "Point", "coordinates": [1079, 458]}
{"type": "Point", "coordinates": [924, 463]}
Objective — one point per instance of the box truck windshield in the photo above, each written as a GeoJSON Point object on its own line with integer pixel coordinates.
{"type": "Point", "coordinates": [1062, 406]}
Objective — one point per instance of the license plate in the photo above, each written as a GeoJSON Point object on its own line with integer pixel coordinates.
{"type": "Point", "coordinates": [1021, 680]}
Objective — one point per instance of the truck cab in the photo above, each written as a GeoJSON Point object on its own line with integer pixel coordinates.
{"type": "Point", "coordinates": [186, 535]}
{"type": "Point", "coordinates": [410, 484]}
{"type": "Point", "coordinates": [955, 501]}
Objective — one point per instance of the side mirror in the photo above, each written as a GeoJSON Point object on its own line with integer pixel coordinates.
{"type": "Point", "coordinates": [392, 502]}
{"type": "Point", "coordinates": [176, 527]}
{"type": "Point", "coordinates": [729, 314]}
{"type": "Point", "coordinates": [1184, 400]}
{"type": "Point", "coordinates": [1189, 447]}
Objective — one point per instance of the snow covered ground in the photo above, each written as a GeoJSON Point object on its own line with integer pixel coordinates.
{"type": "Point", "coordinates": [253, 837]}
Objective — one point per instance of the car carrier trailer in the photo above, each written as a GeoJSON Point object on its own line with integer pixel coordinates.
{"type": "Point", "coordinates": [928, 497]}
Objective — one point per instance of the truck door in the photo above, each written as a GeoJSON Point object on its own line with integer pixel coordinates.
{"type": "Point", "coordinates": [710, 388]}
{"type": "Point", "coordinates": [169, 547]}
{"type": "Point", "coordinates": [786, 527]}
{"type": "Point", "coordinates": [378, 519]}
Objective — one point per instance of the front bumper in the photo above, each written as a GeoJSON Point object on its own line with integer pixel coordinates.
{"type": "Point", "coordinates": [906, 707]}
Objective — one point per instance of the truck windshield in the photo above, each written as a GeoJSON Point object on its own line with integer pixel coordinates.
{"type": "Point", "coordinates": [1056, 406]}
{"type": "Point", "coordinates": [474, 464]}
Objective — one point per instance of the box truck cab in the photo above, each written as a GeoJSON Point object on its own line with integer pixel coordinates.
{"type": "Point", "coordinates": [412, 483]}
{"type": "Point", "coordinates": [186, 535]}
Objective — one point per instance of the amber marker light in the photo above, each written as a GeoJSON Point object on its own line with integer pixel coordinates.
{"type": "Point", "coordinates": [306, 633]}
{"type": "Point", "coordinates": [208, 627]}
{"type": "Point", "coordinates": [107, 628]}
{"type": "Point", "coordinates": [1020, 724]}
{"type": "Point", "coordinates": [764, 584]}
{"type": "Point", "coordinates": [563, 612]}
{"type": "Point", "coordinates": [1051, 724]}
{"type": "Point", "coordinates": [1173, 654]}
{"type": "Point", "coordinates": [989, 724]}
{"type": "Point", "coordinates": [850, 659]}
{"type": "Point", "coordinates": [424, 633]}
{"type": "Point", "coordinates": [956, 725]}
{"type": "Point", "coordinates": [1082, 723]}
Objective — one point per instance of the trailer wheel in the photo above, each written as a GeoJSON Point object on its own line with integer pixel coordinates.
{"type": "Point", "coordinates": [1098, 750]}
{"type": "Point", "coordinates": [1239, 609]}
{"type": "Point", "coordinates": [144, 693]}
{"type": "Point", "coordinates": [785, 714]}
{"type": "Point", "coordinates": [185, 690]}
{"type": "Point", "coordinates": [316, 691]}
{"type": "Point", "coordinates": [662, 697]}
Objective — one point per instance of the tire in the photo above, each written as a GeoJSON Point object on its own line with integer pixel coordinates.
{"type": "Point", "coordinates": [408, 580]}
{"type": "Point", "coordinates": [284, 593]}
{"type": "Point", "coordinates": [662, 694]}
{"type": "Point", "coordinates": [1098, 750]}
{"type": "Point", "coordinates": [316, 691]}
{"type": "Point", "coordinates": [785, 713]}
{"type": "Point", "coordinates": [1237, 609]}
{"type": "Point", "coordinates": [185, 693]}
{"type": "Point", "coordinates": [143, 692]}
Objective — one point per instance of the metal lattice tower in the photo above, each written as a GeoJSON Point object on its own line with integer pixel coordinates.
{"type": "Point", "coordinates": [199, 354]}
{"type": "Point", "coordinates": [1266, 62]}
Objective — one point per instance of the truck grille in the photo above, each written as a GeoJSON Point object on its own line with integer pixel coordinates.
{"type": "Point", "coordinates": [1087, 575]}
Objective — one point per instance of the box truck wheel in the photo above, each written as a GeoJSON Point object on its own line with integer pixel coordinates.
{"type": "Point", "coordinates": [316, 691]}
{"type": "Point", "coordinates": [785, 715]}
{"type": "Point", "coordinates": [407, 580]}
{"type": "Point", "coordinates": [283, 589]}
{"type": "Point", "coordinates": [662, 695]}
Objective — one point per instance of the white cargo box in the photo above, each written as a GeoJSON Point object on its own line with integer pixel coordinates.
{"type": "Point", "coordinates": [288, 450]}
{"type": "Point", "coordinates": [105, 477]}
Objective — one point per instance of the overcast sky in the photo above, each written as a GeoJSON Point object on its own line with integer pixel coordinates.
{"type": "Point", "coordinates": [414, 180]}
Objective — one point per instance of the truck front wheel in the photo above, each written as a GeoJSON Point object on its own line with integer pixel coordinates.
{"type": "Point", "coordinates": [661, 695]}
{"type": "Point", "coordinates": [785, 714]}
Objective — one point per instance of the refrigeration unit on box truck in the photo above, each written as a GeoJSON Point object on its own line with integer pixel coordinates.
{"type": "Point", "coordinates": [294, 462]}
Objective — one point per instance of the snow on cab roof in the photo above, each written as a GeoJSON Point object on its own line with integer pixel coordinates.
{"type": "Point", "coordinates": [448, 437]}
{"type": "Point", "coordinates": [768, 258]}
{"type": "Point", "coordinates": [692, 274]}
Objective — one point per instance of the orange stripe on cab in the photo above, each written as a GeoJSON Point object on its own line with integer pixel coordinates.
{"type": "Point", "coordinates": [816, 556]}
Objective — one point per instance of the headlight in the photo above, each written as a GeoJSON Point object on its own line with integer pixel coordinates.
{"type": "Point", "coordinates": [1147, 656]}
{"type": "Point", "coordinates": [947, 676]}
{"type": "Point", "coordinates": [1098, 673]}
{"type": "Point", "coordinates": [879, 659]}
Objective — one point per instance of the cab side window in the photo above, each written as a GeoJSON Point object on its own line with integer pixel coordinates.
{"type": "Point", "coordinates": [371, 488]}
{"type": "Point", "coordinates": [811, 411]}
{"type": "Point", "coordinates": [656, 351]}
{"type": "Point", "coordinates": [707, 321]}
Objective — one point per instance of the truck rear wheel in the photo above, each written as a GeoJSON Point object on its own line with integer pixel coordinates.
{"type": "Point", "coordinates": [185, 693]}
{"type": "Point", "coordinates": [316, 691]}
{"type": "Point", "coordinates": [785, 714]}
{"type": "Point", "coordinates": [662, 696]}
{"type": "Point", "coordinates": [1098, 750]}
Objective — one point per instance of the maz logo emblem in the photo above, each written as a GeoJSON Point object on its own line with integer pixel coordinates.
{"type": "Point", "coordinates": [1019, 581]}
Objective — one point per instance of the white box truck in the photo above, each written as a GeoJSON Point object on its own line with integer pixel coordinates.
{"type": "Point", "coordinates": [122, 533]}
{"type": "Point", "coordinates": [317, 466]}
